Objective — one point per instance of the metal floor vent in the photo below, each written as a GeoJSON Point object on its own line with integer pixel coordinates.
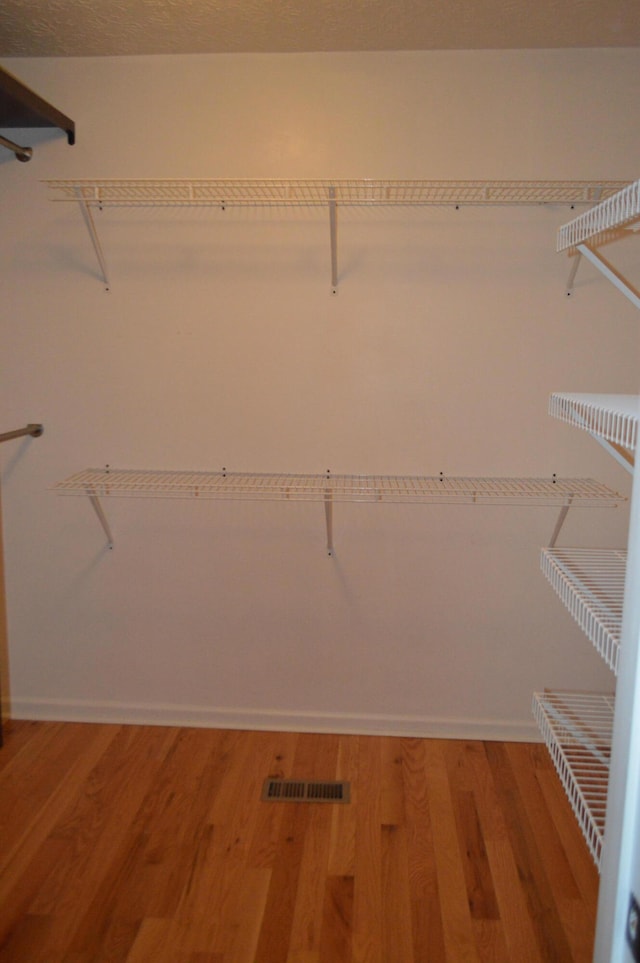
{"type": "Point", "coordinates": [302, 790]}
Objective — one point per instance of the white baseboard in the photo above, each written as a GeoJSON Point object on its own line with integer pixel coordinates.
{"type": "Point", "coordinates": [69, 710]}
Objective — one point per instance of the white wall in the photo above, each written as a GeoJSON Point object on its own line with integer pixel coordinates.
{"type": "Point", "coordinates": [220, 344]}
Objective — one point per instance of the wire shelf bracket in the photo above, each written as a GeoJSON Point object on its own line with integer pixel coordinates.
{"type": "Point", "coordinates": [96, 504]}
{"type": "Point", "coordinates": [610, 273]}
{"type": "Point", "coordinates": [273, 193]}
{"type": "Point", "coordinates": [93, 234]}
{"type": "Point", "coordinates": [96, 483]}
{"type": "Point", "coordinates": [606, 221]}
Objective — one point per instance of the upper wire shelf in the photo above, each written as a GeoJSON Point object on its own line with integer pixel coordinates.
{"type": "Point", "coordinates": [92, 195]}
{"type": "Point", "coordinates": [613, 212]}
{"type": "Point", "coordinates": [349, 488]}
{"type": "Point", "coordinates": [590, 583]}
{"type": "Point", "coordinates": [609, 418]}
{"type": "Point", "coordinates": [577, 729]}
{"type": "Point", "coordinates": [225, 192]}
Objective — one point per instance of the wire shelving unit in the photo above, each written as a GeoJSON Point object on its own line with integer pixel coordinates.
{"type": "Point", "coordinates": [224, 193]}
{"type": "Point", "coordinates": [561, 493]}
{"type": "Point", "coordinates": [594, 740]}
{"type": "Point", "coordinates": [577, 730]}
{"type": "Point", "coordinates": [590, 583]}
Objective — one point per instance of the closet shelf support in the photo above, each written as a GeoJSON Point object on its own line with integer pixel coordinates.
{"type": "Point", "coordinates": [608, 271]}
{"type": "Point", "coordinates": [333, 228]}
{"type": "Point", "coordinates": [102, 518]}
{"type": "Point", "coordinates": [573, 272]}
{"type": "Point", "coordinates": [328, 512]}
{"type": "Point", "coordinates": [620, 454]}
{"type": "Point", "coordinates": [93, 234]}
{"type": "Point", "coordinates": [564, 511]}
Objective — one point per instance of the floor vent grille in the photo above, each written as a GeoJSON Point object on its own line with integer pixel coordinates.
{"type": "Point", "coordinates": [302, 790]}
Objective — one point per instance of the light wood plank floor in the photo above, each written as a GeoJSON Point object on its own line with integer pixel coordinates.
{"type": "Point", "coordinates": [141, 844]}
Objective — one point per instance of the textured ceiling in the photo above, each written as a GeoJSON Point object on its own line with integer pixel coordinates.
{"type": "Point", "coordinates": [46, 28]}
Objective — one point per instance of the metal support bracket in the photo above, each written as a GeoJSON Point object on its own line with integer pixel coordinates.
{"type": "Point", "coordinates": [564, 511]}
{"type": "Point", "coordinates": [328, 513]}
{"type": "Point", "coordinates": [622, 455]}
{"type": "Point", "coordinates": [333, 227]}
{"type": "Point", "coordinates": [93, 234]}
{"type": "Point", "coordinates": [609, 272]}
{"type": "Point", "coordinates": [573, 272]}
{"type": "Point", "coordinates": [102, 518]}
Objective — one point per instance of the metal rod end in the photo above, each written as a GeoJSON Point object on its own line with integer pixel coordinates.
{"type": "Point", "coordinates": [22, 153]}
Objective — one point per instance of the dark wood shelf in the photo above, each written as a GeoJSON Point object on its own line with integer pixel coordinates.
{"type": "Point", "coordinates": [21, 107]}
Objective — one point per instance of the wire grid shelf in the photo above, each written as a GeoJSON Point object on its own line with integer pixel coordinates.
{"type": "Point", "coordinates": [577, 730]}
{"type": "Point", "coordinates": [613, 418]}
{"type": "Point", "coordinates": [590, 583]}
{"type": "Point", "coordinates": [349, 488]}
{"type": "Point", "coordinates": [356, 192]}
{"type": "Point", "coordinates": [615, 211]}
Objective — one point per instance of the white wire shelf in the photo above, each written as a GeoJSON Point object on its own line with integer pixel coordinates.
{"type": "Point", "coordinates": [613, 212]}
{"type": "Point", "coordinates": [327, 488]}
{"type": "Point", "coordinates": [577, 730]}
{"type": "Point", "coordinates": [330, 194]}
{"type": "Point", "coordinates": [277, 192]}
{"type": "Point", "coordinates": [608, 418]}
{"type": "Point", "coordinates": [349, 488]}
{"type": "Point", "coordinates": [590, 583]}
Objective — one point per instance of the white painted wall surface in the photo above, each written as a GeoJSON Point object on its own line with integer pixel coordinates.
{"type": "Point", "coordinates": [220, 344]}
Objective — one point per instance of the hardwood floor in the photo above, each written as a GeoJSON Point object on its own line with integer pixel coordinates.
{"type": "Point", "coordinates": [140, 844]}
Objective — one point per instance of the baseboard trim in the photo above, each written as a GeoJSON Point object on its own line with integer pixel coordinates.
{"type": "Point", "coordinates": [70, 710]}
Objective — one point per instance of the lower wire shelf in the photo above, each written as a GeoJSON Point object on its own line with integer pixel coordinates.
{"type": "Point", "coordinates": [577, 729]}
